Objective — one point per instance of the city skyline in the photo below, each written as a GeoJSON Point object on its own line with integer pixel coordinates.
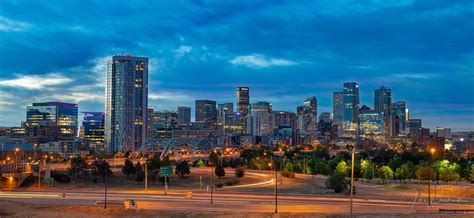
{"type": "Point", "coordinates": [200, 58]}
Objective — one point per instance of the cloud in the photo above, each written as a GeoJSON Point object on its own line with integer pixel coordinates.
{"type": "Point", "coordinates": [182, 50]}
{"type": "Point", "coordinates": [8, 25]}
{"type": "Point", "coordinates": [415, 75]}
{"type": "Point", "coordinates": [260, 61]}
{"type": "Point", "coordinates": [36, 81]}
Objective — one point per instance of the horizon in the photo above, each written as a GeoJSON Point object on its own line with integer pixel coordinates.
{"type": "Point", "coordinates": [423, 51]}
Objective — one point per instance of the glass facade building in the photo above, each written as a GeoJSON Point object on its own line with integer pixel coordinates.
{"type": "Point", "coordinates": [126, 102]}
{"type": "Point", "coordinates": [93, 127]}
{"type": "Point", "coordinates": [351, 109]}
{"type": "Point", "coordinates": [383, 105]}
{"type": "Point", "coordinates": [59, 114]}
{"type": "Point", "coordinates": [206, 113]}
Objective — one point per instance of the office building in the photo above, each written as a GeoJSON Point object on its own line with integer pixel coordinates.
{"type": "Point", "coordinates": [398, 119]}
{"type": "Point", "coordinates": [93, 127]}
{"type": "Point", "coordinates": [164, 119]}
{"type": "Point", "coordinates": [126, 102]}
{"type": "Point", "coordinates": [243, 100]}
{"type": "Point", "coordinates": [262, 120]}
{"type": "Point", "coordinates": [325, 117]}
{"type": "Point", "coordinates": [370, 124]}
{"type": "Point", "coordinates": [206, 113]}
{"type": "Point", "coordinates": [184, 116]}
{"type": "Point", "coordinates": [312, 104]}
{"type": "Point", "coordinates": [351, 109]}
{"type": "Point", "coordinates": [61, 120]}
{"type": "Point", "coordinates": [413, 124]}
{"type": "Point", "coordinates": [338, 111]}
{"type": "Point", "coordinates": [383, 105]}
{"type": "Point", "coordinates": [444, 132]}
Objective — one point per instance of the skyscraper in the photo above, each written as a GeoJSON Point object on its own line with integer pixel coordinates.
{"type": "Point", "coordinates": [243, 100]}
{"type": "Point", "coordinates": [383, 105]}
{"type": "Point", "coordinates": [351, 109]}
{"type": "Point", "coordinates": [126, 102]}
{"type": "Point", "coordinates": [206, 113]}
{"type": "Point", "coordinates": [262, 120]}
{"type": "Point", "coordinates": [184, 116]}
{"type": "Point", "coordinates": [398, 118]}
{"type": "Point", "coordinates": [312, 103]}
{"type": "Point", "coordinates": [338, 111]}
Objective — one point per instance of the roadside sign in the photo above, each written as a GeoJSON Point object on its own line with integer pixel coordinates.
{"type": "Point", "coordinates": [48, 180]}
{"type": "Point", "coordinates": [166, 171]}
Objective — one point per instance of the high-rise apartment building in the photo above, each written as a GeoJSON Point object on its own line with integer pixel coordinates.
{"type": "Point", "coordinates": [351, 109]}
{"type": "Point", "coordinates": [126, 102]}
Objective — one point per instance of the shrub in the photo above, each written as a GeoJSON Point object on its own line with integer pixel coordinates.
{"type": "Point", "coordinates": [287, 174]}
{"type": "Point", "coordinates": [240, 172]}
{"type": "Point", "coordinates": [232, 182]}
{"type": "Point", "coordinates": [337, 182]}
{"type": "Point", "coordinates": [28, 181]}
{"type": "Point", "coordinates": [60, 177]}
{"type": "Point", "coordinates": [219, 185]}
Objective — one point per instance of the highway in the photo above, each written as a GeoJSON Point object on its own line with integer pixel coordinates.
{"type": "Point", "coordinates": [235, 202]}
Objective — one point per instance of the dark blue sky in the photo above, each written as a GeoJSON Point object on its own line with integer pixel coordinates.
{"type": "Point", "coordinates": [285, 51]}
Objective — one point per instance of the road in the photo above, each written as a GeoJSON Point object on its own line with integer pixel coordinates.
{"type": "Point", "coordinates": [231, 201]}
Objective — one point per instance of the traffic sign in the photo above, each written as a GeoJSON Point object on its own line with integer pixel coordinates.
{"type": "Point", "coordinates": [166, 171]}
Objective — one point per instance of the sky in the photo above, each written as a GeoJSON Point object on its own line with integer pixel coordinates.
{"type": "Point", "coordinates": [284, 51]}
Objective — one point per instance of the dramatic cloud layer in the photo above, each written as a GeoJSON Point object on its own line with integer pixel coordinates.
{"type": "Point", "coordinates": [284, 50]}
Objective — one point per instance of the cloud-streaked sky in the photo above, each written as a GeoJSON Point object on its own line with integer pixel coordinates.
{"type": "Point", "coordinates": [54, 50]}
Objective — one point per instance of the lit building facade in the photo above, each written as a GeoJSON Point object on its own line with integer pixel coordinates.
{"type": "Point", "coordinates": [63, 116]}
{"type": "Point", "coordinates": [165, 119]}
{"type": "Point", "coordinates": [399, 119]}
{"type": "Point", "coordinates": [351, 109]}
{"type": "Point", "coordinates": [243, 100]}
{"type": "Point", "coordinates": [126, 102]}
{"type": "Point", "coordinates": [93, 127]}
{"type": "Point", "coordinates": [370, 124]}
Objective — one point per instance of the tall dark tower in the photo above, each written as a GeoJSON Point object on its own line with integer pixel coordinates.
{"type": "Point", "coordinates": [243, 100]}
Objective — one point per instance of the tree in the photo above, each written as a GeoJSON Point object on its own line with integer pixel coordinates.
{"type": "Point", "coordinates": [337, 182]}
{"type": "Point", "coordinates": [405, 171]}
{"type": "Point", "coordinates": [139, 173]}
{"type": "Point", "coordinates": [77, 165]}
{"type": "Point", "coordinates": [471, 174]}
{"type": "Point", "coordinates": [128, 168]}
{"type": "Point", "coordinates": [240, 172]}
{"type": "Point", "coordinates": [425, 173]}
{"type": "Point", "coordinates": [367, 169]}
{"type": "Point", "coordinates": [385, 172]}
{"type": "Point", "coordinates": [201, 163]}
{"type": "Point", "coordinates": [102, 168]}
{"type": "Point", "coordinates": [448, 175]}
{"type": "Point", "coordinates": [182, 169]}
{"type": "Point", "coordinates": [342, 168]}
{"type": "Point", "coordinates": [219, 171]}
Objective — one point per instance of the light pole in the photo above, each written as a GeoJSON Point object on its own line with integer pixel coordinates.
{"type": "Point", "coordinates": [352, 179]}
{"type": "Point", "coordinates": [432, 150]}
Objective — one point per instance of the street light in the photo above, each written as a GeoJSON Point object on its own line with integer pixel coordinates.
{"type": "Point", "coordinates": [352, 178]}
{"type": "Point", "coordinates": [433, 151]}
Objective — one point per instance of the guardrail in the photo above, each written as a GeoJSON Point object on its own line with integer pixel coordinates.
{"type": "Point", "coordinates": [456, 210]}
